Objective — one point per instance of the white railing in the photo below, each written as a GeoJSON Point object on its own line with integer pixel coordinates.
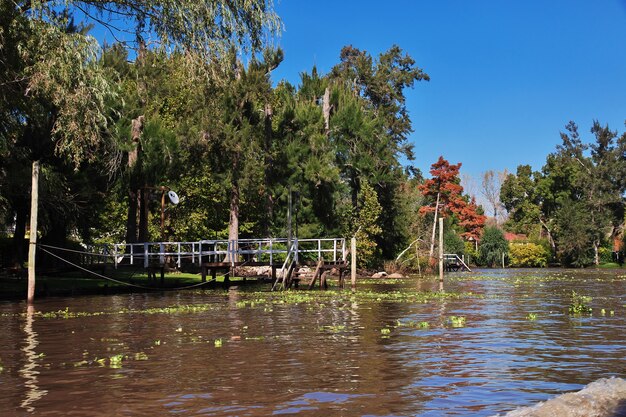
{"type": "Point", "coordinates": [271, 251]}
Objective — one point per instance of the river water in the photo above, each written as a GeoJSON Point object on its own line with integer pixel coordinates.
{"type": "Point", "coordinates": [390, 349]}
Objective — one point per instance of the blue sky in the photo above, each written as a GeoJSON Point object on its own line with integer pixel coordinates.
{"type": "Point", "coordinates": [505, 76]}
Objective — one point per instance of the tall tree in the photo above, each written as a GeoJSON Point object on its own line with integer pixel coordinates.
{"type": "Point", "coordinates": [444, 190]}
{"type": "Point", "coordinates": [491, 185]}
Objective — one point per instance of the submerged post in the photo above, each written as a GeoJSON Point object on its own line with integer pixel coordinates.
{"type": "Point", "coordinates": [353, 261]}
{"type": "Point", "coordinates": [32, 247]}
{"type": "Point", "coordinates": [441, 254]}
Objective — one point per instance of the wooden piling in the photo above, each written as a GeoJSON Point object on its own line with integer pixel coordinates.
{"type": "Point", "coordinates": [441, 254]}
{"type": "Point", "coordinates": [353, 261]}
{"type": "Point", "coordinates": [32, 247]}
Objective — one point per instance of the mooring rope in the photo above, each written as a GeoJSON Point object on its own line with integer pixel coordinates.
{"type": "Point", "coordinates": [75, 251]}
{"type": "Point", "coordinates": [118, 281]}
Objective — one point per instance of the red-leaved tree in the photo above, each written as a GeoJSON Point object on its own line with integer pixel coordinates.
{"type": "Point", "coordinates": [445, 188]}
{"type": "Point", "coordinates": [470, 220]}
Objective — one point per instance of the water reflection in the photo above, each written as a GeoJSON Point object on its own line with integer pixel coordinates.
{"type": "Point", "coordinates": [29, 371]}
{"type": "Point", "coordinates": [325, 357]}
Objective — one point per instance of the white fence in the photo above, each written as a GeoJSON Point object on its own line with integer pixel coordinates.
{"type": "Point", "coordinates": [268, 251]}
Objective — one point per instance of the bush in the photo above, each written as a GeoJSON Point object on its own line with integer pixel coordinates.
{"type": "Point", "coordinates": [606, 255]}
{"type": "Point", "coordinates": [471, 252]}
{"type": "Point", "coordinates": [528, 255]}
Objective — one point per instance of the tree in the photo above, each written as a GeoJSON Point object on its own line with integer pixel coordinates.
{"type": "Point", "coordinates": [491, 185]}
{"type": "Point", "coordinates": [577, 198]}
{"type": "Point", "coordinates": [365, 221]}
{"type": "Point", "coordinates": [493, 246]}
{"type": "Point", "coordinates": [370, 125]}
{"type": "Point", "coordinates": [470, 219]}
{"type": "Point", "coordinates": [208, 28]}
{"type": "Point", "coordinates": [445, 188]}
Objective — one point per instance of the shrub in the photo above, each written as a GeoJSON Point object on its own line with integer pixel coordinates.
{"type": "Point", "coordinates": [606, 255]}
{"type": "Point", "coordinates": [528, 255]}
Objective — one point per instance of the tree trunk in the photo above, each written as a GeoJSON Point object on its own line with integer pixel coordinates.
{"type": "Point", "coordinates": [269, 202]}
{"type": "Point", "coordinates": [21, 210]}
{"type": "Point", "coordinates": [596, 254]}
{"type": "Point", "coordinates": [144, 212]}
{"type": "Point", "coordinates": [233, 221]}
{"type": "Point", "coordinates": [432, 239]}
{"type": "Point", "coordinates": [550, 238]}
{"type": "Point", "coordinates": [131, 219]}
{"type": "Point", "coordinates": [326, 110]}
{"type": "Point", "coordinates": [134, 172]}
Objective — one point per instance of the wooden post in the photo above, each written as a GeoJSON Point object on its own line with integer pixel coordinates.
{"type": "Point", "coordinates": [353, 261]}
{"type": "Point", "coordinates": [503, 261]}
{"type": "Point", "coordinates": [441, 253]}
{"type": "Point", "coordinates": [32, 247]}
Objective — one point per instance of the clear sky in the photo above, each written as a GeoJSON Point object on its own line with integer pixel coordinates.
{"type": "Point", "coordinates": [506, 76]}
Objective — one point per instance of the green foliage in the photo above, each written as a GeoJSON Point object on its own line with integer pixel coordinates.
{"type": "Point", "coordinates": [221, 134]}
{"type": "Point", "coordinates": [606, 255]}
{"type": "Point", "coordinates": [492, 246]}
{"type": "Point", "coordinates": [471, 251]}
{"type": "Point", "coordinates": [576, 201]}
{"type": "Point", "coordinates": [452, 242]}
{"type": "Point", "coordinates": [528, 255]}
{"type": "Point", "coordinates": [367, 227]}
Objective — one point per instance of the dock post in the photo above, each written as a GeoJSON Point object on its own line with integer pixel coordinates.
{"type": "Point", "coordinates": [441, 254]}
{"type": "Point", "coordinates": [353, 261]}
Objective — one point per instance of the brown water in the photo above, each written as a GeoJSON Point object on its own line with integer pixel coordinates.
{"type": "Point", "coordinates": [312, 358]}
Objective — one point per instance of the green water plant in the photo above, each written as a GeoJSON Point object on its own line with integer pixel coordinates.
{"type": "Point", "coordinates": [457, 321]}
{"type": "Point", "coordinates": [531, 316]}
{"type": "Point", "coordinates": [115, 361]}
{"type": "Point", "coordinates": [414, 324]}
{"type": "Point", "coordinates": [580, 304]}
{"type": "Point", "coordinates": [217, 343]}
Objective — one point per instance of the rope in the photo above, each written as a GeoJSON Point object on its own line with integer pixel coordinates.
{"type": "Point", "coordinates": [122, 282]}
{"type": "Point", "coordinates": [76, 251]}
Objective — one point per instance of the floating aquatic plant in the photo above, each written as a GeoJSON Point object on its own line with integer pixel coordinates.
{"type": "Point", "coordinates": [580, 304]}
{"type": "Point", "coordinates": [385, 331]}
{"type": "Point", "coordinates": [115, 361]}
{"type": "Point", "coordinates": [334, 329]}
{"type": "Point", "coordinates": [531, 316]}
{"type": "Point", "coordinates": [217, 343]}
{"type": "Point", "coordinates": [414, 324]}
{"type": "Point", "coordinates": [457, 321]}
